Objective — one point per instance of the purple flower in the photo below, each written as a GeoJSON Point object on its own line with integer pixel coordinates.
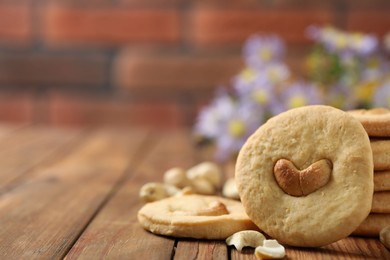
{"type": "Point", "coordinates": [375, 68]}
{"type": "Point", "coordinates": [261, 90]}
{"type": "Point", "coordinates": [340, 96]}
{"type": "Point", "coordinates": [236, 130]}
{"type": "Point", "coordinates": [382, 95]}
{"type": "Point", "coordinates": [277, 72]}
{"type": "Point", "coordinates": [343, 43]}
{"type": "Point", "coordinates": [300, 94]}
{"type": "Point", "coordinates": [245, 79]}
{"type": "Point", "coordinates": [260, 50]}
{"type": "Point", "coordinates": [229, 123]}
{"type": "Point", "coordinates": [210, 117]}
{"type": "Point", "coordinates": [363, 44]}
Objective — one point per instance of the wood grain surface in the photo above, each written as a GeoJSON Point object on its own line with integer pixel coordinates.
{"type": "Point", "coordinates": [73, 194]}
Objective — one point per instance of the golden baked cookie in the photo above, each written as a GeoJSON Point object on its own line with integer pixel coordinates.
{"type": "Point", "coordinates": [382, 180]}
{"type": "Point", "coordinates": [381, 202]}
{"type": "Point", "coordinates": [306, 176]}
{"type": "Point", "coordinates": [372, 225]}
{"type": "Point", "coordinates": [195, 216]}
{"type": "Point", "coordinates": [376, 121]}
{"type": "Point", "coordinates": [381, 154]}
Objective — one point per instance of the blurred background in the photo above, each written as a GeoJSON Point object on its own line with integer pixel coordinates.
{"type": "Point", "coordinates": [146, 62]}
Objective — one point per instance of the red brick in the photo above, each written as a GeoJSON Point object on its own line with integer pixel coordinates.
{"type": "Point", "coordinates": [67, 109]}
{"type": "Point", "coordinates": [15, 24]}
{"type": "Point", "coordinates": [171, 72]}
{"type": "Point", "coordinates": [223, 27]}
{"type": "Point", "coordinates": [367, 4]}
{"type": "Point", "coordinates": [267, 3]}
{"type": "Point", "coordinates": [110, 26]}
{"type": "Point", "coordinates": [16, 107]}
{"type": "Point", "coordinates": [37, 69]}
{"type": "Point", "coordinates": [375, 21]}
{"type": "Point", "coordinates": [151, 3]}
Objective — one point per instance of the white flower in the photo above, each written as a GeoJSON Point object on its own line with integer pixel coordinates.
{"type": "Point", "coordinates": [260, 50]}
{"type": "Point", "coordinates": [299, 94]}
{"type": "Point", "coordinates": [344, 43]}
{"type": "Point", "coordinates": [229, 123]}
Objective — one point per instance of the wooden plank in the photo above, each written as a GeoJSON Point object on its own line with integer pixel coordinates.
{"type": "Point", "coordinates": [7, 129]}
{"type": "Point", "coordinates": [28, 147]}
{"type": "Point", "coordinates": [115, 233]}
{"type": "Point", "coordinates": [201, 249]}
{"type": "Point", "coordinates": [43, 216]}
{"type": "Point", "coordinates": [348, 248]}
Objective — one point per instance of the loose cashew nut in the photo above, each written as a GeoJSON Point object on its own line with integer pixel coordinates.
{"type": "Point", "coordinates": [176, 176]}
{"type": "Point", "coordinates": [202, 186]}
{"type": "Point", "coordinates": [188, 190]}
{"type": "Point", "coordinates": [230, 189]}
{"type": "Point", "coordinates": [301, 183]}
{"type": "Point", "coordinates": [206, 170]}
{"type": "Point", "coordinates": [156, 191]}
{"type": "Point", "coordinates": [384, 237]}
{"type": "Point", "coordinates": [270, 249]}
{"type": "Point", "coordinates": [245, 238]}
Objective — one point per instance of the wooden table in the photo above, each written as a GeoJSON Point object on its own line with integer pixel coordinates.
{"type": "Point", "coordinates": [74, 194]}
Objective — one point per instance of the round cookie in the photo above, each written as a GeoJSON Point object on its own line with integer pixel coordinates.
{"type": "Point", "coordinates": [381, 154]}
{"type": "Point", "coordinates": [381, 202]}
{"type": "Point", "coordinates": [376, 121]}
{"type": "Point", "coordinates": [382, 181]}
{"type": "Point", "coordinates": [306, 176]}
{"type": "Point", "coordinates": [195, 216]}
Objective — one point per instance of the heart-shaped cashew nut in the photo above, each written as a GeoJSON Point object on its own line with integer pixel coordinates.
{"type": "Point", "coordinates": [302, 182]}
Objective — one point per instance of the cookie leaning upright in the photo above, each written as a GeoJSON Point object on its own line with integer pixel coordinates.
{"type": "Point", "coordinates": [376, 121]}
{"type": "Point", "coordinates": [306, 176]}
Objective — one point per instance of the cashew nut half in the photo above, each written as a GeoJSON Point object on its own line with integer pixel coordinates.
{"type": "Point", "coordinates": [270, 249]}
{"type": "Point", "coordinates": [302, 182]}
{"type": "Point", "coordinates": [206, 170]}
{"type": "Point", "coordinates": [177, 177]}
{"type": "Point", "coordinates": [245, 238]}
{"type": "Point", "coordinates": [230, 189]}
{"type": "Point", "coordinates": [156, 191]}
{"type": "Point", "coordinates": [202, 186]}
{"type": "Point", "coordinates": [384, 237]}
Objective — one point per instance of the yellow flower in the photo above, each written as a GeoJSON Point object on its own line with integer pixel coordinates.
{"type": "Point", "coordinates": [341, 41]}
{"type": "Point", "coordinates": [248, 74]}
{"type": "Point", "coordinates": [265, 54]}
{"type": "Point", "coordinates": [260, 96]}
{"type": "Point", "coordinates": [297, 101]}
{"type": "Point", "coordinates": [365, 91]}
{"type": "Point", "coordinates": [236, 128]}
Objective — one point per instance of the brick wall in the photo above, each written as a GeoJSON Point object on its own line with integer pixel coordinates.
{"type": "Point", "coordinates": [145, 62]}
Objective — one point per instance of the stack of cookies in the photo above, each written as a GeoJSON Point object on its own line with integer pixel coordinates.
{"type": "Point", "coordinates": [376, 122]}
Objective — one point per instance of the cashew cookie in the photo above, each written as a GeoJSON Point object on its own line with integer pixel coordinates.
{"type": "Point", "coordinates": [306, 176]}
{"type": "Point", "coordinates": [195, 216]}
{"type": "Point", "coordinates": [376, 121]}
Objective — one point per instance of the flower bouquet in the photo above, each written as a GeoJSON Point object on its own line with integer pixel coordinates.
{"type": "Point", "coordinates": [346, 70]}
